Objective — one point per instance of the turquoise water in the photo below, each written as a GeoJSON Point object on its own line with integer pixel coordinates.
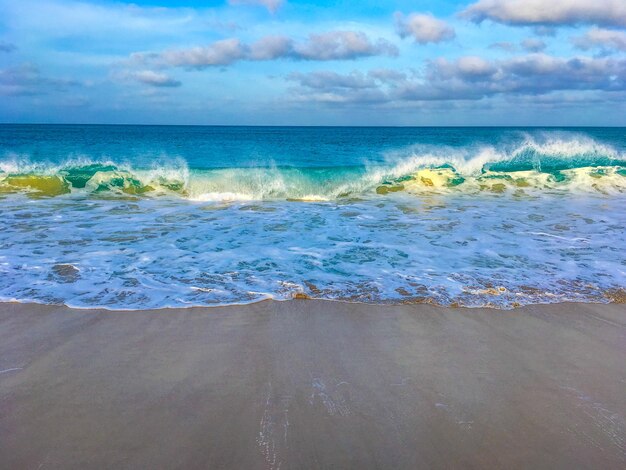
{"type": "Point", "coordinates": [160, 216]}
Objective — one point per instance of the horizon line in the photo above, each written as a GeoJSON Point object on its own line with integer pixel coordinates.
{"type": "Point", "coordinates": [564, 126]}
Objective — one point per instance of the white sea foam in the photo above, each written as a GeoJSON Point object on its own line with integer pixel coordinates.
{"type": "Point", "coordinates": [472, 250]}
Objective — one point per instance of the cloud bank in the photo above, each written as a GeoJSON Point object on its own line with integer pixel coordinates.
{"type": "Point", "coordinates": [467, 78]}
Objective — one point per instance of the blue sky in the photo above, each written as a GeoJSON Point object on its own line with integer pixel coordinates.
{"type": "Point", "coordinates": [483, 62]}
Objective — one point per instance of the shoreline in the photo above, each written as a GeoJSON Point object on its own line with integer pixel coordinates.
{"type": "Point", "coordinates": [313, 384]}
{"type": "Point", "coordinates": [612, 297]}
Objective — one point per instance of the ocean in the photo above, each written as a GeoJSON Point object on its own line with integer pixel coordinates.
{"type": "Point", "coordinates": [137, 217]}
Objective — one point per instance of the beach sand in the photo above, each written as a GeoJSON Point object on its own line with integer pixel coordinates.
{"type": "Point", "coordinates": [313, 384]}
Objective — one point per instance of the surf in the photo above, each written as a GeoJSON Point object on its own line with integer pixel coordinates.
{"type": "Point", "coordinates": [467, 217]}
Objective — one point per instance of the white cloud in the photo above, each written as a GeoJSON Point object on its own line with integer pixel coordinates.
{"type": "Point", "coordinates": [424, 28]}
{"type": "Point", "coordinates": [336, 45]}
{"type": "Point", "coordinates": [270, 47]}
{"type": "Point", "coordinates": [271, 5]}
{"type": "Point", "coordinates": [552, 12]}
{"type": "Point", "coordinates": [222, 52]}
{"type": "Point", "coordinates": [474, 66]}
{"type": "Point", "coordinates": [603, 38]}
{"type": "Point", "coordinates": [333, 45]}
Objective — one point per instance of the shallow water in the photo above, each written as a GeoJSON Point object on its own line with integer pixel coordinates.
{"type": "Point", "coordinates": [136, 217]}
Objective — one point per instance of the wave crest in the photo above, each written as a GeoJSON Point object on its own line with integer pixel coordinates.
{"type": "Point", "coordinates": [545, 161]}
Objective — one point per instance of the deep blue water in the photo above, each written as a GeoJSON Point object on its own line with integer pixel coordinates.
{"type": "Point", "coordinates": [204, 147]}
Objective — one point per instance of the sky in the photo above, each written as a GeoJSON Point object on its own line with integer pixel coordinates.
{"type": "Point", "coordinates": [303, 62]}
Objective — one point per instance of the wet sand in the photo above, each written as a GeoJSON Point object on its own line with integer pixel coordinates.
{"type": "Point", "coordinates": [313, 384]}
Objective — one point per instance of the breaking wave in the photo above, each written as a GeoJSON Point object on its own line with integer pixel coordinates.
{"type": "Point", "coordinates": [572, 163]}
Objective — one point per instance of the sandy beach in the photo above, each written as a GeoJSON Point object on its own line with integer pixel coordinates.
{"type": "Point", "coordinates": [313, 384]}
